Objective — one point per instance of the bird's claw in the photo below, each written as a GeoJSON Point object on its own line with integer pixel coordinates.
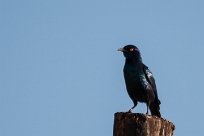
{"type": "Point", "coordinates": [147, 113]}
{"type": "Point", "coordinates": [130, 111]}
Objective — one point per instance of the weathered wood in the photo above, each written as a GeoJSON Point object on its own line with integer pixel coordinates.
{"type": "Point", "coordinates": [137, 124]}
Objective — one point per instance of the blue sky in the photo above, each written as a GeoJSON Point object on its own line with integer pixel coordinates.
{"type": "Point", "coordinates": [61, 75]}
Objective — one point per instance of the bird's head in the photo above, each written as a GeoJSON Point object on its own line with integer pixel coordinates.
{"type": "Point", "coordinates": [130, 51]}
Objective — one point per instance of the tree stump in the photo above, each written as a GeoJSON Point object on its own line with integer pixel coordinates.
{"type": "Point", "coordinates": [137, 124]}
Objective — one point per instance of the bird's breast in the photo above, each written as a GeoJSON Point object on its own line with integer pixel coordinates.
{"type": "Point", "coordinates": [135, 80]}
{"type": "Point", "coordinates": [132, 74]}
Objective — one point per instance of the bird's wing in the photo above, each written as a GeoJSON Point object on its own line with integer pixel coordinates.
{"type": "Point", "coordinates": [154, 107]}
{"type": "Point", "coordinates": [150, 79]}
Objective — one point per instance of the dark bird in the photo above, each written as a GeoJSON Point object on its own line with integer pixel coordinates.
{"type": "Point", "coordinates": [140, 83]}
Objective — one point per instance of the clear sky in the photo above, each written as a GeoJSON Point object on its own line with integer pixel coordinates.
{"type": "Point", "coordinates": [60, 73]}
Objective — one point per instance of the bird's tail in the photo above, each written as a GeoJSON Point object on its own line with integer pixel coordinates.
{"type": "Point", "coordinates": [154, 108]}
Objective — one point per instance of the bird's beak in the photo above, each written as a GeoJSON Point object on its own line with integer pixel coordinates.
{"type": "Point", "coordinates": [121, 49]}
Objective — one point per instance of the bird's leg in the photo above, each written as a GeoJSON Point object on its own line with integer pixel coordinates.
{"type": "Point", "coordinates": [135, 104]}
{"type": "Point", "coordinates": [147, 108]}
{"type": "Point", "coordinates": [130, 110]}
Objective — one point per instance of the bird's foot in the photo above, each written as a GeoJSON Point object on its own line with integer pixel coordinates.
{"type": "Point", "coordinates": [147, 114]}
{"type": "Point", "coordinates": [130, 111]}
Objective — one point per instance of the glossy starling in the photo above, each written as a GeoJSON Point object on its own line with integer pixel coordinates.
{"type": "Point", "coordinates": [140, 83]}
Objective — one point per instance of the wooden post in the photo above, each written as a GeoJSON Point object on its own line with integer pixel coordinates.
{"type": "Point", "coordinates": [137, 124]}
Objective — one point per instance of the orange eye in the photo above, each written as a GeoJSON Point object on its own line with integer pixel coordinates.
{"type": "Point", "coordinates": [132, 49]}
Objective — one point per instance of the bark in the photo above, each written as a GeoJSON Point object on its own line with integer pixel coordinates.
{"type": "Point", "coordinates": [137, 124]}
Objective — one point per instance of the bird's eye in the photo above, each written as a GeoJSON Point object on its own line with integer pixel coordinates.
{"type": "Point", "coordinates": [131, 49]}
